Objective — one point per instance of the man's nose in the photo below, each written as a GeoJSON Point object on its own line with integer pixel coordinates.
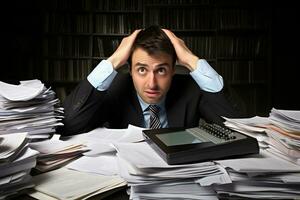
{"type": "Point", "coordinates": [152, 80]}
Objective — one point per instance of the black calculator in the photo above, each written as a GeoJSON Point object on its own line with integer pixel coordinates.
{"type": "Point", "coordinates": [203, 143]}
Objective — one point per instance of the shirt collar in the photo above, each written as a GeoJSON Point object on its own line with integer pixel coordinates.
{"type": "Point", "coordinates": [145, 105]}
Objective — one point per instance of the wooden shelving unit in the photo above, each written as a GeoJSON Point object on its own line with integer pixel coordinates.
{"type": "Point", "coordinates": [232, 36]}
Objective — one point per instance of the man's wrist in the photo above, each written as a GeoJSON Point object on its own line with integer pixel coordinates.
{"type": "Point", "coordinates": [115, 62]}
{"type": "Point", "coordinates": [192, 63]}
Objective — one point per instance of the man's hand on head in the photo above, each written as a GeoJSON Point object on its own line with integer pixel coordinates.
{"type": "Point", "coordinates": [121, 55]}
{"type": "Point", "coordinates": [184, 55]}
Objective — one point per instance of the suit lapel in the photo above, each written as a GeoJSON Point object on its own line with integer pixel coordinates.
{"type": "Point", "coordinates": [175, 110]}
{"type": "Point", "coordinates": [135, 114]}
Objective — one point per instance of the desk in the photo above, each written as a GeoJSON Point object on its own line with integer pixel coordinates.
{"type": "Point", "coordinates": [116, 194]}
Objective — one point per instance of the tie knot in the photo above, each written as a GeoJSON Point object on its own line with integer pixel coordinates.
{"type": "Point", "coordinates": [153, 109]}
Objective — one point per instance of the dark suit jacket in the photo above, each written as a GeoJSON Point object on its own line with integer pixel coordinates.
{"type": "Point", "coordinates": [87, 108]}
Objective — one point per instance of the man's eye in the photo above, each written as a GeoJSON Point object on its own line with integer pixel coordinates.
{"type": "Point", "coordinates": [141, 70]}
{"type": "Point", "coordinates": [162, 71]}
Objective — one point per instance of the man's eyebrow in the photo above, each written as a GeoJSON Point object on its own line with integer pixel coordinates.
{"type": "Point", "coordinates": [145, 65]}
{"type": "Point", "coordinates": [141, 64]}
{"type": "Point", "coordinates": [162, 64]}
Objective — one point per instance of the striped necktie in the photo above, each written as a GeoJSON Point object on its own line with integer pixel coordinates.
{"type": "Point", "coordinates": [154, 117]}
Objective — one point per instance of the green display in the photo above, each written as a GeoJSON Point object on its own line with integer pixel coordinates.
{"type": "Point", "coordinates": [178, 138]}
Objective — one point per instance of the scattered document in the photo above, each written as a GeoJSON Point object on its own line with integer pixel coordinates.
{"type": "Point", "coordinates": [25, 91]}
{"type": "Point", "coordinates": [65, 184]}
{"type": "Point", "coordinates": [56, 153]}
{"type": "Point", "coordinates": [103, 164]}
{"type": "Point", "coordinates": [100, 140]}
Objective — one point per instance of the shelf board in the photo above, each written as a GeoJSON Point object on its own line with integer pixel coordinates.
{"type": "Point", "coordinates": [118, 12]}
{"type": "Point", "coordinates": [184, 5]}
{"type": "Point", "coordinates": [242, 31]}
{"type": "Point", "coordinates": [87, 34]}
{"type": "Point", "coordinates": [92, 11]}
{"type": "Point", "coordinates": [193, 31]}
{"type": "Point", "coordinates": [70, 58]}
{"type": "Point", "coordinates": [247, 83]}
{"type": "Point", "coordinates": [73, 58]}
{"type": "Point", "coordinates": [241, 58]}
{"type": "Point", "coordinates": [61, 83]}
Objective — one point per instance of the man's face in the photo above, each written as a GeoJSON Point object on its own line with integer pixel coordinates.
{"type": "Point", "coordinates": [151, 75]}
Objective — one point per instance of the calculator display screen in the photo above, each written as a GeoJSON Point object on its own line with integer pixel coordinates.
{"type": "Point", "coordinates": [178, 138]}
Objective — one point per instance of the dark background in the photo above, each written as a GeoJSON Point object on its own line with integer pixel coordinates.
{"type": "Point", "coordinates": [285, 55]}
{"type": "Point", "coordinates": [21, 46]}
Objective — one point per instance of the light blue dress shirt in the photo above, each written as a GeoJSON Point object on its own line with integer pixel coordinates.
{"type": "Point", "coordinates": [204, 75]}
{"type": "Point", "coordinates": [162, 113]}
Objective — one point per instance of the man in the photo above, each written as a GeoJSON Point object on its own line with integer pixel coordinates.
{"type": "Point", "coordinates": [113, 99]}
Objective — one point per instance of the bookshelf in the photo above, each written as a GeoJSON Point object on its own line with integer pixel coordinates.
{"type": "Point", "coordinates": [232, 36]}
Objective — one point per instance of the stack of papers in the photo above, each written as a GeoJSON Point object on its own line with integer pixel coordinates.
{"type": "Point", "coordinates": [150, 177]}
{"type": "Point", "coordinates": [121, 152]}
{"type": "Point", "coordinates": [254, 127]}
{"type": "Point", "coordinates": [16, 161]}
{"type": "Point", "coordinates": [288, 120]}
{"type": "Point", "coordinates": [173, 190]}
{"type": "Point", "coordinates": [284, 134]}
{"type": "Point", "coordinates": [261, 176]}
{"type": "Point", "coordinates": [29, 107]}
{"type": "Point", "coordinates": [56, 153]}
{"type": "Point", "coordinates": [279, 133]}
{"type": "Point", "coordinates": [275, 173]}
{"type": "Point", "coordinates": [69, 184]}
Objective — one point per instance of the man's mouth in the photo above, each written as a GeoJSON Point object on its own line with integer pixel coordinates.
{"type": "Point", "coordinates": [152, 93]}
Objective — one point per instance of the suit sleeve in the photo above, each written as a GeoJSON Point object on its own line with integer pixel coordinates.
{"type": "Point", "coordinates": [84, 103]}
{"type": "Point", "coordinates": [80, 109]}
{"type": "Point", "coordinates": [215, 105]}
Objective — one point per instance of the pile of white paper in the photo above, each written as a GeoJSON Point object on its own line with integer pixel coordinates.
{"type": "Point", "coordinates": [279, 133]}
{"type": "Point", "coordinates": [146, 173]}
{"type": "Point", "coordinates": [284, 134]}
{"type": "Point", "coordinates": [16, 161]}
{"type": "Point", "coordinates": [55, 153]}
{"type": "Point", "coordinates": [29, 107]}
{"type": "Point", "coordinates": [70, 185]}
{"type": "Point", "coordinates": [263, 176]}
{"type": "Point", "coordinates": [94, 173]}
{"type": "Point", "coordinates": [288, 120]}
{"type": "Point", "coordinates": [150, 177]}
{"type": "Point", "coordinates": [276, 173]}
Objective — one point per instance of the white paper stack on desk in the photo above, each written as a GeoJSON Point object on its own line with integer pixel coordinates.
{"type": "Point", "coordinates": [284, 134]}
{"type": "Point", "coordinates": [150, 177]}
{"type": "Point", "coordinates": [263, 177]}
{"type": "Point", "coordinates": [97, 171]}
{"type": "Point", "coordinates": [147, 174]}
{"type": "Point", "coordinates": [276, 173]}
{"type": "Point", "coordinates": [55, 153]}
{"type": "Point", "coordinates": [16, 161]}
{"type": "Point", "coordinates": [69, 184]}
{"type": "Point", "coordinates": [29, 107]}
{"type": "Point", "coordinates": [279, 133]}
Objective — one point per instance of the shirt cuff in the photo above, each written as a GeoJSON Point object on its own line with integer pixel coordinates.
{"type": "Point", "coordinates": [102, 76]}
{"type": "Point", "coordinates": [206, 77]}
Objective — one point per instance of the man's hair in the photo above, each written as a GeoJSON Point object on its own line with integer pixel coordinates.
{"type": "Point", "coordinates": [154, 40]}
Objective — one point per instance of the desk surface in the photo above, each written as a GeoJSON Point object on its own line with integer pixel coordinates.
{"type": "Point", "coordinates": [116, 194]}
